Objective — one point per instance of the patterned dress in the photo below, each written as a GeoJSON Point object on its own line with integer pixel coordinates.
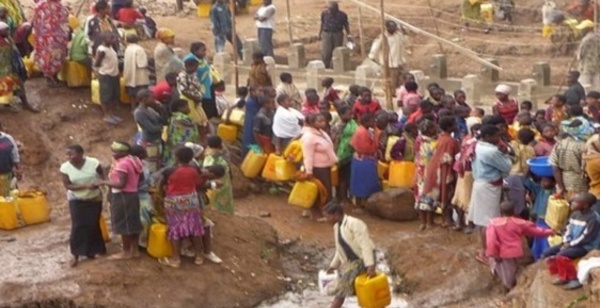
{"type": "Point", "coordinates": [9, 79]}
{"type": "Point", "coordinates": [181, 130]}
{"type": "Point", "coordinates": [50, 24]}
{"type": "Point", "coordinates": [424, 149]}
{"type": "Point", "coordinates": [221, 198]}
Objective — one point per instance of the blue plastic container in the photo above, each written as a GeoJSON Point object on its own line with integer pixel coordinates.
{"type": "Point", "coordinates": [540, 166]}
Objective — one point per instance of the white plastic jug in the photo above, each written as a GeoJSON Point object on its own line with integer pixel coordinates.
{"type": "Point", "coordinates": [326, 281]}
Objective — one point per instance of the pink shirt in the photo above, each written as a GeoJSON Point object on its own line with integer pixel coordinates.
{"type": "Point", "coordinates": [401, 93]}
{"type": "Point", "coordinates": [504, 236]}
{"type": "Point", "coordinates": [132, 167]}
{"type": "Point", "coordinates": [308, 109]}
{"type": "Point", "coordinates": [317, 149]}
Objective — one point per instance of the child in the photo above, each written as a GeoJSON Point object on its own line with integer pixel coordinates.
{"type": "Point", "coordinates": [475, 117]}
{"type": "Point", "coordinates": [435, 96]}
{"type": "Point", "coordinates": [149, 24]}
{"type": "Point", "coordinates": [395, 126]}
{"type": "Point", "coordinates": [352, 96]}
{"type": "Point", "coordinates": [412, 96]}
{"type": "Point", "coordinates": [259, 74]}
{"type": "Point", "coordinates": [107, 65]}
{"type": "Point", "coordinates": [592, 106]}
{"type": "Point", "coordinates": [241, 93]}
{"type": "Point", "coordinates": [311, 104]}
{"type": "Point", "coordinates": [381, 134]}
{"type": "Point", "coordinates": [462, 130]}
{"type": "Point", "coordinates": [523, 151]}
{"type": "Point", "coordinates": [542, 192]}
{"type": "Point", "coordinates": [426, 109]}
{"type": "Point", "coordinates": [135, 68]}
{"type": "Point", "coordinates": [341, 134]}
{"type": "Point", "coordinates": [189, 87]}
{"type": "Point", "coordinates": [558, 110]}
{"type": "Point", "coordinates": [146, 203]}
{"type": "Point", "coordinates": [425, 146]}
{"type": "Point", "coordinates": [364, 180]}
{"type": "Point", "coordinates": [330, 94]}
{"type": "Point", "coordinates": [582, 233]}
{"type": "Point", "coordinates": [287, 87]}
{"type": "Point", "coordinates": [326, 107]}
{"type": "Point", "coordinates": [166, 91]}
{"type": "Point", "coordinates": [404, 148]}
{"type": "Point", "coordinates": [181, 129]}
{"type": "Point", "coordinates": [128, 15]}
{"type": "Point", "coordinates": [547, 142]}
{"type": "Point", "coordinates": [365, 104]}
{"type": "Point", "coordinates": [539, 119]}
{"type": "Point", "coordinates": [504, 236]}
{"type": "Point", "coordinates": [461, 99]}
{"type": "Point", "coordinates": [220, 100]}
{"type": "Point", "coordinates": [464, 183]}
{"type": "Point", "coordinates": [527, 106]}
{"type": "Point", "coordinates": [215, 156]}
{"type": "Point", "coordinates": [263, 125]}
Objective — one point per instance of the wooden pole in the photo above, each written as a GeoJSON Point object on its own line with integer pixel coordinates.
{"type": "Point", "coordinates": [435, 25]}
{"type": "Point", "coordinates": [387, 82]}
{"type": "Point", "coordinates": [361, 35]}
{"type": "Point", "coordinates": [465, 51]}
{"type": "Point", "coordinates": [235, 47]}
{"type": "Point", "coordinates": [289, 22]}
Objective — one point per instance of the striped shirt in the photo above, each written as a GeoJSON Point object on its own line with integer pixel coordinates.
{"type": "Point", "coordinates": [567, 156]}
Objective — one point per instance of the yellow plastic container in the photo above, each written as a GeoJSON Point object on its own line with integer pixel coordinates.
{"type": "Point", "coordinates": [256, 2]}
{"type": "Point", "coordinates": [7, 99]}
{"type": "Point", "coordinates": [203, 10]}
{"type": "Point", "coordinates": [104, 229]}
{"type": "Point", "coordinates": [304, 194]}
{"type": "Point", "coordinates": [236, 117]}
{"type": "Point", "coordinates": [75, 74]}
{"type": "Point", "coordinates": [382, 169]}
{"type": "Point", "coordinates": [227, 132]}
{"type": "Point", "coordinates": [8, 214]}
{"type": "Point", "coordinates": [124, 98]}
{"type": "Point", "coordinates": [33, 207]}
{"type": "Point", "coordinates": [557, 213]}
{"type": "Point", "coordinates": [487, 12]}
{"type": "Point", "coordinates": [388, 147]}
{"type": "Point", "coordinates": [402, 174]}
{"type": "Point", "coordinates": [29, 65]}
{"type": "Point", "coordinates": [293, 151]}
{"type": "Point", "coordinates": [373, 292]}
{"type": "Point", "coordinates": [284, 170]}
{"type": "Point", "coordinates": [335, 176]}
{"type": "Point", "coordinates": [95, 85]}
{"type": "Point", "coordinates": [385, 185]}
{"type": "Point", "coordinates": [158, 245]}
{"type": "Point", "coordinates": [253, 164]}
{"type": "Point", "coordinates": [268, 171]}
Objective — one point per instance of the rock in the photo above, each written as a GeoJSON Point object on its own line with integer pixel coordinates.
{"type": "Point", "coordinates": [394, 204]}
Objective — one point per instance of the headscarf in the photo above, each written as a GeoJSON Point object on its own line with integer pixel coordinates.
{"type": "Point", "coordinates": [578, 128]}
{"type": "Point", "coordinates": [504, 89]}
{"type": "Point", "coordinates": [164, 33]}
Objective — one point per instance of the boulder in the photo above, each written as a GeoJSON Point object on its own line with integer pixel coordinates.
{"type": "Point", "coordinates": [394, 204]}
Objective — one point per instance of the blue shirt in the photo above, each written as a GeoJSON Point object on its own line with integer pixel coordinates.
{"type": "Point", "coordinates": [461, 129]}
{"type": "Point", "coordinates": [583, 230]}
{"type": "Point", "coordinates": [220, 17]}
{"type": "Point", "coordinates": [250, 113]}
{"type": "Point", "coordinates": [540, 204]}
{"type": "Point", "coordinates": [490, 164]}
{"type": "Point", "coordinates": [203, 74]}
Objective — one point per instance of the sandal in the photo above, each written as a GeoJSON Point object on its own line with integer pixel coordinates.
{"type": "Point", "coordinates": [169, 263]}
{"type": "Point", "coordinates": [199, 260]}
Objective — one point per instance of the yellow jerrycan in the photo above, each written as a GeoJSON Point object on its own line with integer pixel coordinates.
{"type": "Point", "coordinates": [158, 245]}
{"type": "Point", "coordinates": [124, 98]}
{"type": "Point", "coordinates": [293, 151]}
{"type": "Point", "coordinates": [253, 164]}
{"type": "Point", "coordinates": [227, 132]}
{"type": "Point", "coordinates": [8, 214]}
{"type": "Point", "coordinates": [303, 194]}
{"type": "Point", "coordinates": [104, 229]}
{"type": "Point", "coordinates": [284, 170]}
{"type": "Point", "coordinates": [76, 74]}
{"type": "Point", "coordinates": [402, 174]}
{"type": "Point", "coordinates": [382, 169]}
{"type": "Point", "coordinates": [236, 117]}
{"type": "Point", "coordinates": [33, 206]}
{"type": "Point", "coordinates": [557, 213]}
{"type": "Point", "coordinates": [335, 176]}
{"type": "Point", "coordinates": [372, 292]}
{"type": "Point", "coordinates": [95, 89]}
{"type": "Point", "coordinates": [268, 172]}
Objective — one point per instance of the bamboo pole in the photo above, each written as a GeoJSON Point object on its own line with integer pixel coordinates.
{"type": "Point", "coordinates": [361, 35]}
{"type": "Point", "coordinates": [289, 22]}
{"type": "Point", "coordinates": [387, 82]}
{"type": "Point", "coordinates": [465, 51]}
{"type": "Point", "coordinates": [234, 43]}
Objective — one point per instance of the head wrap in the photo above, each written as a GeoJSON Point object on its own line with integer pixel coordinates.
{"type": "Point", "coordinates": [119, 147]}
{"type": "Point", "coordinates": [504, 89]}
{"type": "Point", "coordinates": [198, 149]}
{"type": "Point", "coordinates": [578, 128]}
{"type": "Point", "coordinates": [164, 33]}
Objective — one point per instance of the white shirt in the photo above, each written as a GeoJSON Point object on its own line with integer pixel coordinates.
{"type": "Point", "coordinates": [396, 42]}
{"type": "Point", "coordinates": [286, 122]}
{"type": "Point", "coordinates": [135, 66]}
{"type": "Point", "coordinates": [110, 63]}
{"type": "Point", "coordinates": [268, 12]}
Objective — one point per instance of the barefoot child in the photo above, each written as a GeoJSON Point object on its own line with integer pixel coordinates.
{"type": "Point", "coordinates": [424, 149]}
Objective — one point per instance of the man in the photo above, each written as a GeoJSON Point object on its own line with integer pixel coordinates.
{"type": "Point", "coordinates": [575, 94]}
{"type": "Point", "coordinates": [563, 36]}
{"type": "Point", "coordinates": [220, 16]}
{"type": "Point", "coordinates": [265, 21]}
{"type": "Point", "coordinates": [135, 68]}
{"type": "Point", "coordinates": [490, 166]}
{"type": "Point", "coordinates": [589, 55]}
{"type": "Point", "coordinates": [354, 251]}
{"type": "Point", "coordinates": [331, 33]}
{"type": "Point", "coordinates": [395, 41]}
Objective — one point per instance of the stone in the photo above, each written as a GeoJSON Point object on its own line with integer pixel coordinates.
{"type": "Point", "coordinates": [296, 56]}
{"type": "Point", "coordinates": [250, 47]}
{"type": "Point", "coordinates": [541, 73]}
{"type": "Point", "coordinates": [396, 204]}
{"type": "Point", "coordinates": [222, 63]}
{"type": "Point", "coordinates": [314, 70]}
{"type": "Point", "coordinates": [270, 61]}
{"type": "Point", "coordinates": [439, 67]}
{"type": "Point", "coordinates": [341, 60]}
{"type": "Point", "coordinates": [471, 84]}
{"type": "Point", "coordinates": [365, 75]}
{"type": "Point", "coordinates": [489, 74]}
{"type": "Point", "coordinates": [526, 90]}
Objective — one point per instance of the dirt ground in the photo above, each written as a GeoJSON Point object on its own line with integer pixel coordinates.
{"type": "Point", "coordinates": [436, 268]}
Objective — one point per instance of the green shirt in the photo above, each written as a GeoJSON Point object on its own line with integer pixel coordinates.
{"type": "Point", "coordinates": [79, 48]}
{"type": "Point", "coordinates": [344, 150]}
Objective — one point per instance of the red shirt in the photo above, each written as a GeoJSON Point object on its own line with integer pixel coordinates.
{"type": "Point", "coordinates": [183, 180]}
{"type": "Point", "coordinates": [363, 142]}
{"type": "Point", "coordinates": [128, 16]}
{"type": "Point", "coordinates": [359, 109]}
{"type": "Point", "coordinates": [162, 91]}
{"type": "Point", "coordinates": [330, 95]}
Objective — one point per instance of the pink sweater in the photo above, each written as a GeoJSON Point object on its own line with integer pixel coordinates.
{"type": "Point", "coordinates": [504, 236]}
{"type": "Point", "coordinates": [317, 149]}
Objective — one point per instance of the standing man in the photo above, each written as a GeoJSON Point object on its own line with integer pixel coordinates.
{"type": "Point", "coordinates": [265, 21]}
{"type": "Point", "coordinates": [220, 16]}
{"type": "Point", "coordinates": [395, 41]}
{"type": "Point", "coordinates": [354, 251]}
{"type": "Point", "coordinates": [589, 55]}
{"type": "Point", "coordinates": [575, 94]}
{"type": "Point", "coordinates": [331, 33]}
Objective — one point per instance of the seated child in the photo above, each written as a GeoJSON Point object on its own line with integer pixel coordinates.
{"type": "Point", "coordinates": [221, 101]}
{"type": "Point", "coordinates": [287, 86]}
{"type": "Point", "coordinates": [541, 193]}
{"type": "Point", "coordinates": [504, 243]}
{"type": "Point", "coordinates": [149, 24]}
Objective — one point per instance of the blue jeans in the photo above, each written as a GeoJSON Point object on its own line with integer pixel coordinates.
{"type": "Point", "coordinates": [572, 253]}
{"type": "Point", "coordinates": [265, 41]}
{"type": "Point", "coordinates": [220, 43]}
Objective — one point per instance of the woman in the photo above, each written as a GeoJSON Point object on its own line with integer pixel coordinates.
{"type": "Point", "coordinates": [505, 106]}
{"type": "Point", "coordinates": [146, 202]}
{"type": "Point", "coordinates": [12, 70]}
{"type": "Point", "coordinates": [151, 124]}
{"type": "Point", "coordinates": [198, 52]}
{"type": "Point", "coordinates": [21, 39]}
{"type": "Point", "coordinates": [251, 108]}
{"type": "Point", "coordinates": [101, 23]}
{"type": "Point", "coordinates": [464, 183]}
{"type": "Point", "coordinates": [259, 74]}
{"type": "Point", "coordinates": [165, 60]}
{"type": "Point", "coordinates": [341, 135]}
{"type": "Point", "coordinates": [50, 23]}
{"type": "Point", "coordinates": [364, 180]}
{"type": "Point", "coordinates": [287, 123]}
{"type": "Point", "coordinates": [215, 156]}
{"type": "Point", "coordinates": [9, 155]}
{"type": "Point", "coordinates": [80, 176]}
{"type": "Point", "coordinates": [318, 157]}
{"type": "Point", "coordinates": [181, 130]}
{"type": "Point", "coordinates": [182, 205]}
{"type": "Point", "coordinates": [123, 180]}
{"type": "Point", "coordinates": [263, 124]}
{"type": "Point", "coordinates": [567, 159]}
{"type": "Point", "coordinates": [591, 159]}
